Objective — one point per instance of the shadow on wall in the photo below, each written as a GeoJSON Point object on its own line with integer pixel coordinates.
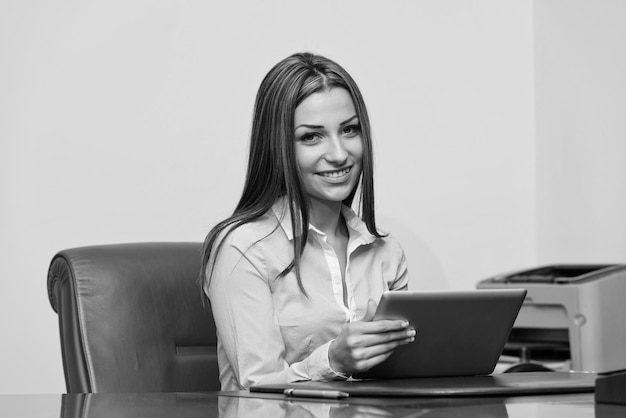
{"type": "Point", "coordinates": [425, 270]}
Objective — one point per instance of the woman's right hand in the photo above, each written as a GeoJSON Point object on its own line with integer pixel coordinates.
{"type": "Point", "coordinates": [363, 344]}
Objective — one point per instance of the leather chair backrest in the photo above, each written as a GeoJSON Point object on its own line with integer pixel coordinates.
{"type": "Point", "coordinates": [131, 319]}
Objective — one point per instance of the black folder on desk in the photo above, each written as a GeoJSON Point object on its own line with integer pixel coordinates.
{"type": "Point", "coordinates": [505, 384]}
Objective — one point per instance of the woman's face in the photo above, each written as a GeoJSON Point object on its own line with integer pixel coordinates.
{"type": "Point", "coordinates": [329, 148]}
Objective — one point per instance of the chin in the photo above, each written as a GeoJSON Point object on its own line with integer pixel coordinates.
{"type": "Point", "coordinates": [333, 197]}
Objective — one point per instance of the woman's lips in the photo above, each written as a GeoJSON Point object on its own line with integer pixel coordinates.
{"type": "Point", "coordinates": [335, 173]}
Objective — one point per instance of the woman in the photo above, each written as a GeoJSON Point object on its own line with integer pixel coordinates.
{"type": "Point", "coordinates": [293, 274]}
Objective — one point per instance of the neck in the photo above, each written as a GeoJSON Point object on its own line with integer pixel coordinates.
{"type": "Point", "coordinates": [326, 216]}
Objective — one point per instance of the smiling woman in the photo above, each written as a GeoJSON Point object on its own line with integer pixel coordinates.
{"type": "Point", "coordinates": [329, 149]}
{"type": "Point", "coordinates": [293, 274]}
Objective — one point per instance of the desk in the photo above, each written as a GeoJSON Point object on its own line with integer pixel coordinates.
{"type": "Point", "coordinates": [244, 404]}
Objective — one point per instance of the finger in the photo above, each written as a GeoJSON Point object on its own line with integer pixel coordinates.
{"type": "Point", "coordinates": [377, 353]}
{"type": "Point", "coordinates": [372, 340]}
{"type": "Point", "coordinates": [367, 363]}
{"type": "Point", "coordinates": [381, 326]}
{"type": "Point", "coordinates": [371, 310]}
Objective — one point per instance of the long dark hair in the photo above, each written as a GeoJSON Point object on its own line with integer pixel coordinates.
{"type": "Point", "coordinates": [272, 167]}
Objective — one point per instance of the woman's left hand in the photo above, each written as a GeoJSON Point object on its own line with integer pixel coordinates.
{"type": "Point", "coordinates": [363, 344]}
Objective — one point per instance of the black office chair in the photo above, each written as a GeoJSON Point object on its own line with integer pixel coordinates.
{"type": "Point", "coordinates": [131, 319]}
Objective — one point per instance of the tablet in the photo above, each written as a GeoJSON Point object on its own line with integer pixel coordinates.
{"type": "Point", "coordinates": [459, 333]}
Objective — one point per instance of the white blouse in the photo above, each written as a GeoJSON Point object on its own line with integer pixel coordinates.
{"type": "Point", "coordinates": [270, 332]}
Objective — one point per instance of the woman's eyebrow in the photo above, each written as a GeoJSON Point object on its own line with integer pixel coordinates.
{"type": "Point", "coordinates": [348, 120]}
{"type": "Point", "coordinates": [304, 125]}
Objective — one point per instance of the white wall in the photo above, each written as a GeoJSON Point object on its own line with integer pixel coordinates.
{"type": "Point", "coordinates": [127, 121]}
{"type": "Point", "coordinates": [581, 130]}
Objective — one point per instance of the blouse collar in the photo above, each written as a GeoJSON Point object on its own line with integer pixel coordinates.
{"type": "Point", "coordinates": [357, 230]}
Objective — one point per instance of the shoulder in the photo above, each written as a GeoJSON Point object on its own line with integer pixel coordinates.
{"type": "Point", "coordinates": [389, 245]}
{"type": "Point", "coordinates": [390, 240]}
{"type": "Point", "coordinates": [244, 237]}
{"type": "Point", "coordinates": [242, 249]}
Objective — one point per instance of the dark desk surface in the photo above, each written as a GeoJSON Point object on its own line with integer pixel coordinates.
{"type": "Point", "coordinates": [244, 404]}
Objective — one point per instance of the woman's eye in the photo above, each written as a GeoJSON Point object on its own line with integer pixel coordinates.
{"type": "Point", "coordinates": [309, 137]}
{"type": "Point", "coordinates": [351, 130]}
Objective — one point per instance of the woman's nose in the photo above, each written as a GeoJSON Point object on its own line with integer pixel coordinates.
{"type": "Point", "coordinates": [336, 152]}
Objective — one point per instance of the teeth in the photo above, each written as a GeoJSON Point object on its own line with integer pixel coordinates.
{"type": "Point", "coordinates": [333, 174]}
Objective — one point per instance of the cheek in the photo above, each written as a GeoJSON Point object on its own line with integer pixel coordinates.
{"type": "Point", "coordinates": [304, 159]}
{"type": "Point", "coordinates": [356, 150]}
{"type": "Point", "coordinates": [307, 157]}
{"type": "Point", "coordinates": [300, 155]}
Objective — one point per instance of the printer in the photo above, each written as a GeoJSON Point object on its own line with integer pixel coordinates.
{"type": "Point", "coordinates": [575, 313]}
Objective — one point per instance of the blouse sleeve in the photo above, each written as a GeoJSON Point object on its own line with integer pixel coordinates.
{"type": "Point", "coordinates": [401, 281]}
{"type": "Point", "coordinates": [247, 326]}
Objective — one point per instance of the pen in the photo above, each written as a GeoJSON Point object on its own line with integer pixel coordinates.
{"type": "Point", "coordinates": [314, 393]}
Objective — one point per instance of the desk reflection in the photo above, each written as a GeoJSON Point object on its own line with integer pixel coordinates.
{"type": "Point", "coordinates": [238, 407]}
{"type": "Point", "coordinates": [247, 407]}
{"type": "Point", "coordinates": [232, 406]}
{"type": "Point", "coordinates": [138, 405]}
{"type": "Point", "coordinates": [244, 404]}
